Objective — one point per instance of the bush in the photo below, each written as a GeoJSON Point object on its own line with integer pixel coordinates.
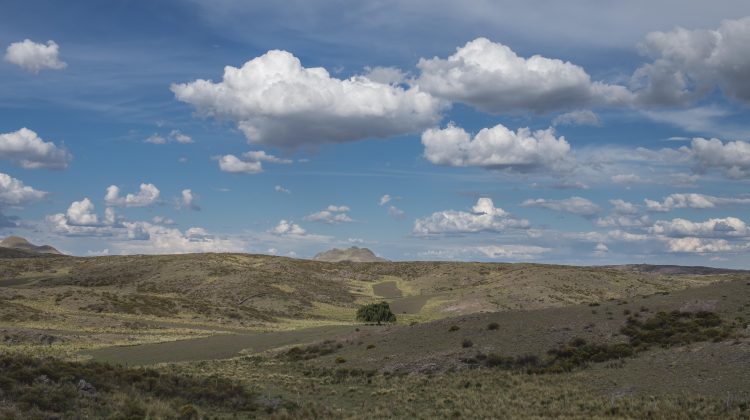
{"type": "Point", "coordinates": [493, 326]}
{"type": "Point", "coordinates": [453, 328]}
{"type": "Point", "coordinates": [466, 343]}
{"type": "Point", "coordinates": [376, 312]}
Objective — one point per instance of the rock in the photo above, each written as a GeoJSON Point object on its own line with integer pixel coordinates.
{"type": "Point", "coordinates": [353, 254]}
{"type": "Point", "coordinates": [85, 389]}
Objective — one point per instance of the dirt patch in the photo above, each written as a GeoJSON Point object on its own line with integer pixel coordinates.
{"type": "Point", "coordinates": [408, 305]}
{"type": "Point", "coordinates": [387, 289]}
{"type": "Point", "coordinates": [213, 347]}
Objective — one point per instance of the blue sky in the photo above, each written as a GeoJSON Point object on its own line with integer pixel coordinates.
{"type": "Point", "coordinates": [579, 132]}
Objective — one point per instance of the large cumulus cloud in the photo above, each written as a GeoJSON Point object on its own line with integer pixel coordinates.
{"type": "Point", "coordinates": [274, 100]}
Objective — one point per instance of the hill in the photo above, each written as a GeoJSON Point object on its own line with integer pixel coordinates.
{"type": "Point", "coordinates": [353, 254]}
{"type": "Point", "coordinates": [674, 270]}
{"type": "Point", "coordinates": [17, 242]}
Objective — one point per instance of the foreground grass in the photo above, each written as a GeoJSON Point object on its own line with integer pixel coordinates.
{"type": "Point", "coordinates": [51, 388]}
{"type": "Point", "coordinates": [481, 393]}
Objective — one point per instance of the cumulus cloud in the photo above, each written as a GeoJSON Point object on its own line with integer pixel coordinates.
{"type": "Point", "coordinates": [699, 245]}
{"type": "Point", "coordinates": [712, 228]}
{"type": "Point", "coordinates": [180, 137]}
{"type": "Point", "coordinates": [620, 206]}
{"type": "Point", "coordinates": [692, 200]}
{"type": "Point", "coordinates": [146, 196]}
{"type": "Point", "coordinates": [25, 148]}
{"type": "Point", "coordinates": [279, 188]}
{"type": "Point", "coordinates": [385, 199]}
{"type": "Point", "coordinates": [575, 205]}
{"type": "Point", "coordinates": [276, 101]}
{"type": "Point", "coordinates": [33, 57]}
{"type": "Point", "coordinates": [81, 220]}
{"type": "Point", "coordinates": [492, 78]}
{"type": "Point", "coordinates": [732, 157]}
{"type": "Point", "coordinates": [601, 249]}
{"type": "Point", "coordinates": [331, 215]}
{"type": "Point", "coordinates": [688, 64]}
{"type": "Point", "coordinates": [155, 139]}
{"type": "Point", "coordinates": [385, 75]}
{"type": "Point", "coordinates": [497, 148]}
{"type": "Point", "coordinates": [287, 228]}
{"type": "Point", "coordinates": [484, 217]}
{"type": "Point", "coordinates": [146, 238]}
{"type": "Point", "coordinates": [13, 192]}
{"type": "Point", "coordinates": [187, 200]}
{"type": "Point", "coordinates": [579, 117]}
{"type": "Point", "coordinates": [624, 214]}
{"type": "Point", "coordinates": [250, 163]}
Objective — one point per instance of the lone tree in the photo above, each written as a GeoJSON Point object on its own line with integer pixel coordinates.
{"type": "Point", "coordinates": [376, 312]}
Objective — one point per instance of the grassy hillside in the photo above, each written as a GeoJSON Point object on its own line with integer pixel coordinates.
{"type": "Point", "coordinates": [472, 339]}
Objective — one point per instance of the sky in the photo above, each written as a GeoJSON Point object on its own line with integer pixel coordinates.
{"type": "Point", "coordinates": [581, 132]}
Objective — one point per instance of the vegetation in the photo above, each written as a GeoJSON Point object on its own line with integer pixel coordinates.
{"type": "Point", "coordinates": [376, 312]}
{"type": "Point", "coordinates": [664, 329]}
{"type": "Point", "coordinates": [46, 388]}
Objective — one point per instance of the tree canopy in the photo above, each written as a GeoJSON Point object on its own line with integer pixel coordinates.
{"type": "Point", "coordinates": [376, 312]}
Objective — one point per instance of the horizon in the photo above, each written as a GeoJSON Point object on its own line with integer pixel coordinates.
{"type": "Point", "coordinates": [589, 136]}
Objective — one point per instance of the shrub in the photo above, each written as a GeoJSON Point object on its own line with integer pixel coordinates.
{"type": "Point", "coordinates": [453, 328]}
{"type": "Point", "coordinates": [493, 326]}
{"type": "Point", "coordinates": [466, 343]}
{"type": "Point", "coordinates": [340, 359]}
{"type": "Point", "coordinates": [370, 346]}
{"type": "Point", "coordinates": [376, 312]}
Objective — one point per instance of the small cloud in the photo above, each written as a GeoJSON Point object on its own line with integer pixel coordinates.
{"type": "Point", "coordinates": [33, 57]}
{"type": "Point", "coordinates": [279, 188]}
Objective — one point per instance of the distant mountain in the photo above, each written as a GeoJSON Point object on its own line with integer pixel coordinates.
{"type": "Point", "coordinates": [17, 242]}
{"type": "Point", "coordinates": [353, 254]}
{"type": "Point", "coordinates": [673, 270]}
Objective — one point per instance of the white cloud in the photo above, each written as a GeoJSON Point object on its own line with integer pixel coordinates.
{"type": "Point", "coordinates": [161, 220]}
{"type": "Point", "coordinates": [385, 75]}
{"type": "Point", "coordinates": [497, 148]}
{"type": "Point", "coordinates": [145, 238]}
{"type": "Point", "coordinates": [718, 227]}
{"type": "Point", "coordinates": [699, 245]}
{"type": "Point", "coordinates": [692, 200]}
{"type": "Point", "coordinates": [33, 57]}
{"type": "Point", "coordinates": [492, 78]}
{"type": "Point", "coordinates": [575, 205]}
{"type": "Point", "coordinates": [25, 148]}
{"type": "Point", "coordinates": [81, 220]}
{"type": "Point", "coordinates": [13, 192]}
{"type": "Point", "coordinates": [733, 157]}
{"type": "Point", "coordinates": [276, 101]}
{"type": "Point", "coordinates": [174, 135]}
{"type": "Point", "coordinates": [180, 137]}
{"type": "Point", "coordinates": [521, 252]}
{"type": "Point", "coordinates": [155, 139]}
{"type": "Point", "coordinates": [688, 64]}
{"type": "Point", "coordinates": [485, 217]}
{"type": "Point", "coordinates": [279, 188]}
{"type": "Point", "coordinates": [624, 214]}
{"type": "Point", "coordinates": [396, 212]}
{"type": "Point", "coordinates": [146, 196]}
{"type": "Point", "coordinates": [287, 228]}
{"type": "Point", "coordinates": [331, 215]}
{"type": "Point", "coordinates": [187, 200]}
{"type": "Point", "coordinates": [232, 164]}
{"type": "Point", "coordinates": [384, 199]}
{"type": "Point", "coordinates": [80, 213]}
{"type": "Point", "coordinates": [623, 207]}
{"type": "Point", "coordinates": [250, 163]}
{"type": "Point", "coordinates": [579, 117]}
{"type": "Point", "coordinates": [601, 250]}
